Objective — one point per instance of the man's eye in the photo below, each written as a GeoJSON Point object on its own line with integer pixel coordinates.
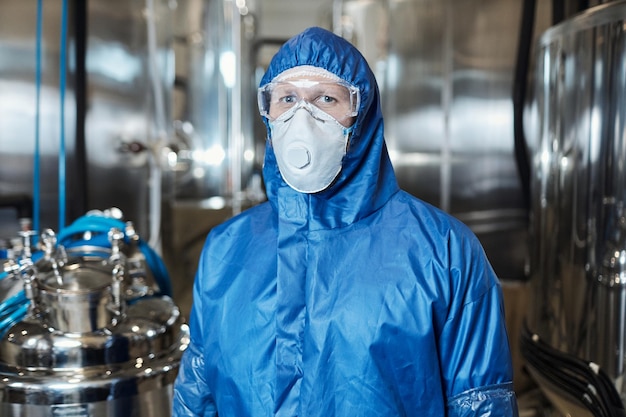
{"type": "Point", "coordinates": [327, 99]}
{"type": "Point", "coordinates": [288, 99]}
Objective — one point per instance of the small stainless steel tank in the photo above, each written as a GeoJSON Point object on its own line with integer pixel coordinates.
{"type": "Point", "coordinates": [92, 344]}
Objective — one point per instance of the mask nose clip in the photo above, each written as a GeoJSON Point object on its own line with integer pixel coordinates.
{"type": "Point", "coordinates": [304, 105]}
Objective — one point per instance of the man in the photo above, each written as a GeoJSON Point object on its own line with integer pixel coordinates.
{"type": "Point", "coordinates": [342, 295]}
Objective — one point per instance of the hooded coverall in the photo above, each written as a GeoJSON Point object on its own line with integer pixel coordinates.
{"type": "Point", "coordinates": [360, 300]}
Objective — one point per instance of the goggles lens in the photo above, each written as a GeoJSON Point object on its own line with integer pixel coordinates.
{"type": "Point", "coordinates": [338, 99]}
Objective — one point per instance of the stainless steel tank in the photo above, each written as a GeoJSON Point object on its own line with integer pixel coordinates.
{"type": "Point", "coordinates": [97, 339]}
{"type": "Point", "coordinates": [575, 340]}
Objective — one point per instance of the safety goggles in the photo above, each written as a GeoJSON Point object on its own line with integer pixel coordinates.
{"type": "Point", "coordinates": [338, 99]}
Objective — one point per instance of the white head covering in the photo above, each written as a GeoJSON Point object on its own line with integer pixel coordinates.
{"type": "Point", "coordinates": [304, 71]}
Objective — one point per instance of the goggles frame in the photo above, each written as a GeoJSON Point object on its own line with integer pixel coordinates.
{"type": "Point", "coordinates": [290, 98]}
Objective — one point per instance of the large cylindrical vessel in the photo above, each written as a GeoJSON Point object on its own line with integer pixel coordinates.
{"type": "Point", "coordinates": [576, 336]}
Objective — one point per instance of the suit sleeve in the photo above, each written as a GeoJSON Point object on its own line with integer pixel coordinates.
{"type": "Point", "coordinates": [192, 396]}
{"type": "Point", "coordinates": [493, 401]}
{"type": "Point", "coordinates": [473, 344]}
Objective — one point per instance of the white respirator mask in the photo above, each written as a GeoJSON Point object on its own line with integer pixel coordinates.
{"type": "Point", "coordinates": [309, 145]}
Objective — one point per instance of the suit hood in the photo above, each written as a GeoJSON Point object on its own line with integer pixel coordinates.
{"type": "Point", "coordinates": [366, 180]}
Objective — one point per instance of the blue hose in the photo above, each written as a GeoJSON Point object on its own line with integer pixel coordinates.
{"type": "Point", "coordinates": [14, 316]}
{"type": "Point", "coordinates": [72, 236]}
{"type": "Point", "coordinates": [36, 156]}
{"type": "Point", "coordinates": [10, 303]}
{"type": "Point", "coordinates": [13, 309]}
{"type": "Point", "coordinates": [62, 82]}
{"type": "Point", "coordinates": [155, 262]}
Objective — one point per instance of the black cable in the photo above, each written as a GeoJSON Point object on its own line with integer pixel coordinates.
{"type": "Point", "coordinates": [520, 82]}
{"type": "Point", "coordinates": [576, 377]}
{"type": "Point", "coordinates": [566, 382]}
{"type": "Point", "coordinates": [558, 11]}
{"type": "Point", "coordinates": [80, 189]}
{"type": "Point", "coordinates": [571, 370]}
{"type": "Point", "coordinates": [582, 5]}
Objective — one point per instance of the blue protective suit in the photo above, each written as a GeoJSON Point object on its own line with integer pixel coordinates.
{"type": "Point", "coordinates": [360, 300]}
